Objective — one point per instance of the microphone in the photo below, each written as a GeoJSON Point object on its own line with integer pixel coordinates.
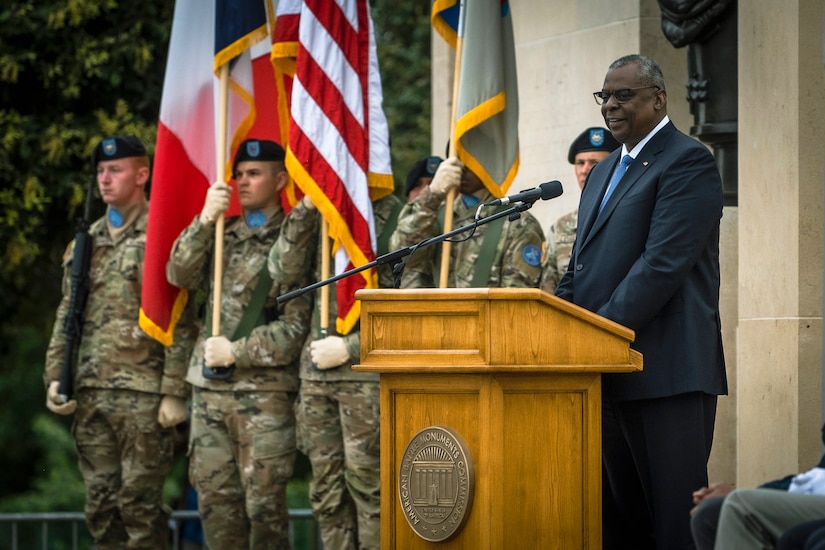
{"type": "Point", "coordinates": [545, 191]}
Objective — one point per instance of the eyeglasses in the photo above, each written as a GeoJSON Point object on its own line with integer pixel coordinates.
{"type": "Point", "coordinates": [621, 96]}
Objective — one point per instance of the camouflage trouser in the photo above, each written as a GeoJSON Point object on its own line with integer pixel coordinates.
{"type": "Point", "coordinates": [242, 456]}
{"type": "Point", "coordinates": [338, 431]}
{"type": "Point", "coordinates": [124, 456]}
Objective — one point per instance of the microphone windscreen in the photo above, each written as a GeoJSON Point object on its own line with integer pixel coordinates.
{"type": "Point", "coordinates": [551, 190]}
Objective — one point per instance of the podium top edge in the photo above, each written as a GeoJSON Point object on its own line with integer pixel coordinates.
{"type": "Point", "coordinates": [402, 294]}
{"type": "Point", "coordinates": [512, 294]}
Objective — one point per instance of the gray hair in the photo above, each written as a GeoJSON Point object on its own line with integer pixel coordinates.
{"type": "Point", "coordinates": [649, 71]}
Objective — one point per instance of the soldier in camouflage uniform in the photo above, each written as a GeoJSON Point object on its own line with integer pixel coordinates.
{"type": "Point", "coordinates": [516, 255]}
{"type": "Point", "coordinates": [586, 151]}
{"type": "Point", "coordinates": [559, 249]}
{"type": "Point", "coordinates": [129, 389]}
{"type": "Point", "coordinates": [242, 447]}
{"type": "Point", "coordinates": [338, 409]}
{"type": "Point", "coordinates": [420, 176]}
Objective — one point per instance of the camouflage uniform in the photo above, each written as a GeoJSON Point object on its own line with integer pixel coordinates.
{"type": "Point", "coordinates": [562, 236]}
{"type": "Point", "coordinates": [242, 448]}
{"type": "Point", "coordinates": [120, 377]}
{"type": "Point", "coordinates": [338, 408]}
{"type": "Point", "coordinates": [517, 261]}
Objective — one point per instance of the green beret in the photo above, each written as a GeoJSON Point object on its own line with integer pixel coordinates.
{"type": "Point", "coordinates": [592, 139]}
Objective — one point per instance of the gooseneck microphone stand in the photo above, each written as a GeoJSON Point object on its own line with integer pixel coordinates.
{"type": "Point", "coordinates": [395, 257]}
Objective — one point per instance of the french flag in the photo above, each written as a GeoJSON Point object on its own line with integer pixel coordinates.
{"type": "Point", "coordinates": [185, 151]}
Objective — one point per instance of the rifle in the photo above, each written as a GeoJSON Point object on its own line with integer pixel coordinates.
{"type": "Point", "coordinates": [73, 324]}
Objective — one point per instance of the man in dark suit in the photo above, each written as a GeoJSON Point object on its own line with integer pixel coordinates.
{"type": "Point", "coordinates": [647, 256]}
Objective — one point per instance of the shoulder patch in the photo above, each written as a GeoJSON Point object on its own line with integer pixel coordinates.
{"type": "Point", "coordinates": [532, 255]}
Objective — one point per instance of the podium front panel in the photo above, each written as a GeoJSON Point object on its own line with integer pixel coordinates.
{"type": "Point", "coordinates": [432, 332]}
{"type": "Point", "coordinates": [516, 374]}
{"type": "Point", "coordinates": [535, 447]}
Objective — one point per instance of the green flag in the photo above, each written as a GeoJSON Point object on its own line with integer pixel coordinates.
{"type": "Point", "coordinates": [486, 111]}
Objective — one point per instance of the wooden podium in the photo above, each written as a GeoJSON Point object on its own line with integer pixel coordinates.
{"type": "Point", "coordinates": [516, 375]}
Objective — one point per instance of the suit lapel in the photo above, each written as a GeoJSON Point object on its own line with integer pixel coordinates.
{"type": "Point", "coordinates": [589, 210]}
{"type": "Point", "coordinates": [636, 171]}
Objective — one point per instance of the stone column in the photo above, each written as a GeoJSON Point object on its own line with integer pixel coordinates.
{"type": "Point", "coordinates": [779, 358]}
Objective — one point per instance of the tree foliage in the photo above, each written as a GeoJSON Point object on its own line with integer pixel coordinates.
{"type": "Point", "coordinates": [71, 73]}
{"type": "Point", "coordinates": [402, 31]}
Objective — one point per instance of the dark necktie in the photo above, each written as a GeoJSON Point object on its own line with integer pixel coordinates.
{"type": "Point", "coordinates": [614, 181]}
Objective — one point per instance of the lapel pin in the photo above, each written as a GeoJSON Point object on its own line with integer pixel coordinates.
{"type": "Point", "coordinates": [644, 163]}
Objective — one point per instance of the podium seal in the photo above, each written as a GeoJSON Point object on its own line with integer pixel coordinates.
{"type": "Point", "coordinates": [436, 483]}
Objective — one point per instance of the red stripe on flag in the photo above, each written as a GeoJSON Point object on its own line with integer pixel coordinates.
{"type": "Point", "coordinates": [345, 293]}
{"type": "Point", "coordinates": [326, 94]}
{"type": "Point", "coordinates": [286, 28]}
{"type": "Point", "coordinates": [333, 188]}
{"type": "Point", "coordinates": [172, 208]}
{"type": "Point", "coordinates": [266, 101]}
{"type": "Point", "coordinates": [332, 18]}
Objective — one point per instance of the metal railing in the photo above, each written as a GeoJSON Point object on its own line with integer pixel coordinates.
{"type": "Point", "coordinates": [77, 520]}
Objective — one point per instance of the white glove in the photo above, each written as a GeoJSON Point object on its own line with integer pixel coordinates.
{"type": "Point", "coordinates": [329, 352]}
{"type": "Point", "coordinates": [308, 204]}
{"type": "Point", "coordinates": [172, 411]}
{"type": "Point", "coordinates": [811, 482]}
{"type": "Point", "coordinates": [217, 352]}
{"type": "Point", "coordinates": [447, 176]}
{"type": "Point", "coordinates": [55, 404]}
{"type": "Point", "coordinates": [217, 201]}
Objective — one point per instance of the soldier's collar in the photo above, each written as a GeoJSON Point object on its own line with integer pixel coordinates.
{"type": "Point", "coordinates": [472, 200]}
{"type": "Point", "coordinates": [258, 217]}
{"type": "Point", "coordinates": [119, 220]}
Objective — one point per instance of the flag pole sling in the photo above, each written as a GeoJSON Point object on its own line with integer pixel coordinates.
{"type": "Point", "coordinates": [220, 157]}
{"type": "Point", "coordinates": [448, 207]}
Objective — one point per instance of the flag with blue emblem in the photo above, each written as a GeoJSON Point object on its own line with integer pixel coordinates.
{"type": "Point", "coordinates": [486, 110]}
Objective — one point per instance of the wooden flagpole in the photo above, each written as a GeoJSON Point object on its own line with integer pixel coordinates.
{"type": "Point", "coordinates": [451, 195]}
{"type": "Point", "coordinates": [220, 159]}
{"type": "Point", "coordinates": [326, 254]}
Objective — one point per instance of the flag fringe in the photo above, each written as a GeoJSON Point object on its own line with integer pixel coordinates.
{"type": "Point", "coordinates": [480, 113]}
{"type": "Point", "coordinates": [472, 163]}
{"type": "Point", "coordinates": [438, 17]}
{"type": "Point", "coordinates": [308, 186]}
{"type": "Point", "coordinates": [239, 46]}
{"type": "Point", "coordinates": [338, 228]}
{"type": "Point", "coordinates": [165, 337]}
{"type": "Point", "coordinates": [380, 185]}
{"type": "Point", "coordinates": [283, 57]}
{"type": "Point", "coordinates": [243, 127]}
{"type": "Point", "coordinates": [345, 325]}
{"type": "Point", "coordinates": [470, 121]}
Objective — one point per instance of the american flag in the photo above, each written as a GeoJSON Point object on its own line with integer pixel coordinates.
{"type": "Point", "coordinates": [337, 138]}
